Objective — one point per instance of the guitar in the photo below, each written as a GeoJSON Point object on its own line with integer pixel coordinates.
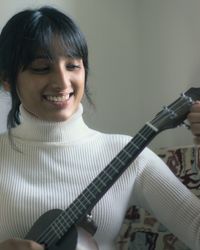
{"type": "Point", "coordinates": [64, 229]}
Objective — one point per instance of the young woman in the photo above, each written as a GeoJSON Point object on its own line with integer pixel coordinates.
{"type": "Point", "coordinates": [49, 155]}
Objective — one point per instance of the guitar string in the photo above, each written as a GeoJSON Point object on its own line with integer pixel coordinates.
{"type": "Point", "coordinates": [47, 232]}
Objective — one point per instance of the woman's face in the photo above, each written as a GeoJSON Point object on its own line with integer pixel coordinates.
{"type": "Point", "coordinates": [52, 90]}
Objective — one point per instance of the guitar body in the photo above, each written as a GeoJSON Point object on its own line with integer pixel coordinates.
{"type": "Point", "coordinates": [77, 238]}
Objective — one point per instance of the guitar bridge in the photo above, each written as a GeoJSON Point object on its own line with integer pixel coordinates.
{"type": "Point", "coordinates": [88, 224]}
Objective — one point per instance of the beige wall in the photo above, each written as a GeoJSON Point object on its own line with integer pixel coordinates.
{"type": "Point", "coordinates": [10, 7]}
{"type": "Point", "coordinates": [143, 53]}
{"type": "Point", "coordinates": [169, 57]}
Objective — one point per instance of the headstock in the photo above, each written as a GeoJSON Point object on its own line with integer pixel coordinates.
{"type": "Point", "coordinates": [173, 115]}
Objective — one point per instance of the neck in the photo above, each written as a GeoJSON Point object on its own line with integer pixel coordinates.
{"type": "Point", "coordinates": [34, 129]}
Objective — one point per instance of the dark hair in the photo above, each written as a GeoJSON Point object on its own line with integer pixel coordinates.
{"type": "Point", "coordinates": [34, 30]}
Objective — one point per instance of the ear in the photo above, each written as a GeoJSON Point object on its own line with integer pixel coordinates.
{"type": "Point", "coordinates": [6, 86]}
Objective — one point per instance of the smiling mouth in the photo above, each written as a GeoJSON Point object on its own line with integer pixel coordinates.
{"type": "Point", "coordinates": [59, 98]}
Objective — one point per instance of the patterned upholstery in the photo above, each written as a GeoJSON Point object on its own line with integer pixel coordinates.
{"type": "Point", "coordinates": [142, 231]}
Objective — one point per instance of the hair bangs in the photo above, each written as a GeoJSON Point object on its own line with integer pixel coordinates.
{"type": "Point", "coordinates": [50, 41]}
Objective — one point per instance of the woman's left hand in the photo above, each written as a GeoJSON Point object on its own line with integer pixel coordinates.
{"type": "Point", "coordinates": [194, 120]}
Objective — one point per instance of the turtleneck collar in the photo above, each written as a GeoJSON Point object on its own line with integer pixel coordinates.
{"type": "Point", "coordinates": [34, 129]}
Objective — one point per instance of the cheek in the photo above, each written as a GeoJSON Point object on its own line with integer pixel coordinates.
{"type": "Point", "coordinates": [82, 89]}
{"type": "Point", "coordinates": [27, 94]}
{"type": "Point", "coordinates": [80, 84]}
{"type": "Point", "coordinates": [21, 87]}
{"type": "Point", "coordinates": [81, 79]}
{"type": "Point", "coordinates": [22, 91]}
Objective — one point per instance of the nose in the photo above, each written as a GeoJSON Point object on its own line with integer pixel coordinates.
{"type": "Point", "coordinates": [61, 78]}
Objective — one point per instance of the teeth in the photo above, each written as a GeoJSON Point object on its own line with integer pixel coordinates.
{"type": "Point", "coordinates": [57, 98]}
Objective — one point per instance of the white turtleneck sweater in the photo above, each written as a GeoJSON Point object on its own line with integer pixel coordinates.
{"type": "Point", "coordinates": [54, 162]}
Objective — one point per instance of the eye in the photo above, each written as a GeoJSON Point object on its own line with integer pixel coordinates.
{"type": "Point", "coordinates": [39, 70]}
{"type": "Point", "coordinates": [73, 66]}
{"type": "Point", "coordinates": [40, 66]}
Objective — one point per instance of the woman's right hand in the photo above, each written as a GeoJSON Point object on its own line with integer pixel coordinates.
{"type": "Point", "coordinates": [17, 244]}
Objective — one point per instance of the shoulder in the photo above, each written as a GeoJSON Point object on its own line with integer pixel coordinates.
{"type": "Point", "coordinates": [115, 140]}
{"type": "Point", "coordinates": [149, 164]}
{"type": "Point", "coordinates": [110, 144]}
{"type": "Point", "coordinates": [148, 158]}
{"type": "Point", "coordinates": [148, 155]}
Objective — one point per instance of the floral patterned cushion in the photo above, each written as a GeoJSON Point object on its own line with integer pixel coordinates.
{"type": "Point", "coordinates": [140, 229]}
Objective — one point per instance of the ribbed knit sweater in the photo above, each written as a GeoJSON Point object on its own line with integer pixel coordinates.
{"type": "Point", "coordinates": [52, 163]}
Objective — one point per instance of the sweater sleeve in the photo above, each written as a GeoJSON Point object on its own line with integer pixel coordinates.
{"type": "Point", "coordinates": [160, 192]}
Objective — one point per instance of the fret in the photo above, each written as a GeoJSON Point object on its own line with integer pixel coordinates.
{"type": "Point", "coordinates": [105, 173]}
{"type": "Point", "coordinates": [59, 225]}
{"type": "Point", "coordinates": [90, 192]}
{"type": "Point", "coordinates": [72, 214]}
{"type": "Point", "coordinates": [127, 153]}
{"type": "Point", "coordinates": [86, 198]}
{"type": "Point", "coordinates": [82, 205]}
{"type": "Point", "coordinates": [62, 217]}
{"type": "Point", "coordinates": [144, 138]}
{"type": "Point", "coordinates": [68, 221]}
{"type": "Point", "coordinates": [122, 162]}
{"type": "Point", "coordinates": [136, 146]}
{"type": "Point", "coordinates": [98, 190]}
{"type": "Point", "coordinates": [57, 230]}
{"type": "Point", "coordinates": [101, 181]}
{"type": "Point", "coordinates": [113, 168]}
